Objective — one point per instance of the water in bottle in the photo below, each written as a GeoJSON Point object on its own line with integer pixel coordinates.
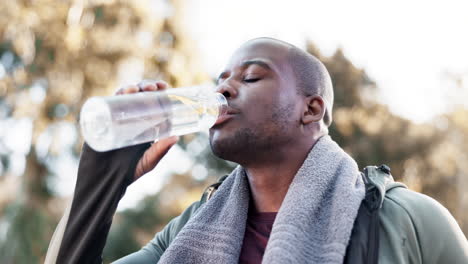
{"type": "Point", "coordinates": [123, 120]}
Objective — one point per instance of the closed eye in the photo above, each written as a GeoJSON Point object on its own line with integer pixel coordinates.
{"type": "Point", "coordinates": [251, 80]}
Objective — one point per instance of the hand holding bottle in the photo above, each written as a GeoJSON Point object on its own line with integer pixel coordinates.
{"type": "Point", "coordinates": [158, 150]}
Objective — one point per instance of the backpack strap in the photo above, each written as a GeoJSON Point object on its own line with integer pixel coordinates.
{"type": "Point", "coordinates": [378, 182]}
{"type": "Point", "coordinates": [375, 179]}
{"type": "Point", "coordinates": [210, 190]}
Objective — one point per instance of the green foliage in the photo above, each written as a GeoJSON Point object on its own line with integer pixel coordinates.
{"type": "Point", "coordinates": [142, 220]}
{"type": "Point", "coordinates": [28, 233]}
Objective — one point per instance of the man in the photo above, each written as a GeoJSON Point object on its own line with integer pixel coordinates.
{"type": "Point", "coordinates": [295, 198]}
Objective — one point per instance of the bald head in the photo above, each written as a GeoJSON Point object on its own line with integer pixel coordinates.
{"type": "Point", "coordinates": [312, 77]}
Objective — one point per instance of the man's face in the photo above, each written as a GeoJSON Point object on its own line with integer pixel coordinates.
{"type": "Point", "coordinates": [265, 109]}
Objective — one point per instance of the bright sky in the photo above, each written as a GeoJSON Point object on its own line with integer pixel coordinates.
{"type": "Point", "coordinates": [406, 46]}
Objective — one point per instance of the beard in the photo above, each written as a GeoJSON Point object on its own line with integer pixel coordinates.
{"type": "Point", "coordinates": [257, 142]}
{"type": "Point", "coordinates": [236, 148]}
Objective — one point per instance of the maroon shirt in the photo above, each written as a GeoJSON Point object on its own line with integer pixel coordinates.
{"type": "Point", "coordinates": [257, 232]}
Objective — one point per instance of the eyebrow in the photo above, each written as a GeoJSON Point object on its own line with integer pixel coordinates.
{"type": "Point", "coordinates": [256, 62]}
{"type": "Point", "coordinates": [246, 64]}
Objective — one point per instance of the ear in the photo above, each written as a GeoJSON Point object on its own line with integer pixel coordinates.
{"type": "Point", "coordinates": [314, 109]}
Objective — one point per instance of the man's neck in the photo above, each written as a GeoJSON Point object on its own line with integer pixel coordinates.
{"type": "Point", "coordinates": [268, 187]}
{"type": "Point", "coordinates": [269, 182]}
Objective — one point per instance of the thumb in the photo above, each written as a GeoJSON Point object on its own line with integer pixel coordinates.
{"type": "Point", "coordinates": [153, 155]}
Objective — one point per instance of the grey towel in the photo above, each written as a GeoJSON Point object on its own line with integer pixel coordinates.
{"type": "Point", "coordinates": [313, 224]}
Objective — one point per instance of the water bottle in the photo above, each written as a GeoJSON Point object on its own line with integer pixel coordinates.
{"type": "Point", "coordinates": [113, 122]}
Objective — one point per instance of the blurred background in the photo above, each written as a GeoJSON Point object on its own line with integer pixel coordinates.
{"type": "Point", "coordinates": [400, 72]}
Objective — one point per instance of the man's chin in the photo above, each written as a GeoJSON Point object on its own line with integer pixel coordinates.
{"type": "Point", "coordinates": [216, 136]}
{"type": "Point", "coordinates": [231, 145]}
{"type": "Point", "coordinates": [221, 147]}
{"type": "Point", "coordinates": [215, 146]}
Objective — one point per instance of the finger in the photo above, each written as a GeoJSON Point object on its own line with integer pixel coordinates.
{"type": "Point", "coordinates": [147, 85]}
{"type": "Point", "coordinates": [162, 85]}
{"type": "Point", "coordinates": [152, 85]}
{"type": "Point", "coordinates": [131, 89]}
{"type": "Point", "coordinates": [157, 151]}
{"type": "Point", "coordinates": [122, 89]}
{"type": "Point", "coordinates": [154, 154]}
{"type": "Point", "coordinates": [149, 88]}
{"type": "Point", "coordinates": [127, 89]}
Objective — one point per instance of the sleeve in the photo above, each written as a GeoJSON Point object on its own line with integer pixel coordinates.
{"type": "Point", "coordinates": [102, 180]}
{"type": "Point", "coordinates": [152, 252]}
{"type": "Point", "coordinates": [440, 238]}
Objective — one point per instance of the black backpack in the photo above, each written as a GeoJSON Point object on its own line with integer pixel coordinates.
{"type": "Point", "coordinates": [363, 246]}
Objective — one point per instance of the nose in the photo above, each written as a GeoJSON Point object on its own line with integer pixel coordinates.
{"type": "Point", "coordinates": [227, 90]}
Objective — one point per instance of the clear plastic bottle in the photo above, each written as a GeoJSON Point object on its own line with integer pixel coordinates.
{"type": "Point", "coordinates": [118, 121]}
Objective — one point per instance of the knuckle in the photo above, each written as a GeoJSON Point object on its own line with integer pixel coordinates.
{"type": "Point", "coordinates": [146, 82]}
{"type": "Point", "coordinates": [131, 89]}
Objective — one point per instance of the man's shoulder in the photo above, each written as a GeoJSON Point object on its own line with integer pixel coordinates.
{"type": "Point", "coordinates": [397, 195]}
{"type": "Point", "coordinates": [425, 225]}
{"type": "Point", "coordinates": [418, 206]}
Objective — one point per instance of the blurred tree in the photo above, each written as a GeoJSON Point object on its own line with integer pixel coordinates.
{"type": "Point", "coordinates": [135, 227]}
{"type": "Point", "coordinates": [55, 54]}
{"type": "Point", "coordinates": [365, 128]}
